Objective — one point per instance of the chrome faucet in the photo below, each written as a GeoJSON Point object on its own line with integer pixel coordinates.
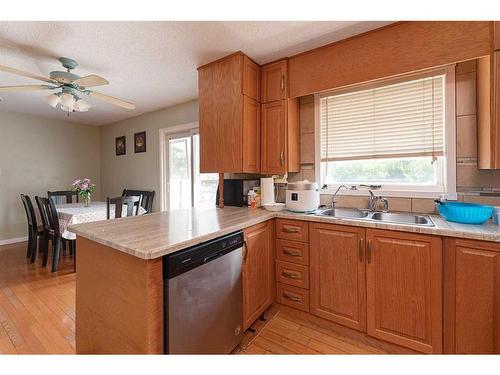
{"type": "Point", "coordinates": [335, 195]}
{"type": "Point", "coordinates": [373, 202]}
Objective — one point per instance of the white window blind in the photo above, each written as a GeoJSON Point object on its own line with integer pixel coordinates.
{"type": "Point", "coordinates": [396, 120]}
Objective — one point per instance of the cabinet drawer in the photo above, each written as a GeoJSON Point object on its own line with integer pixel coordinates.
{"type": "Point", "coordinates": [292, 274]}
{"type": "Point", "coordinates": [295, 230]}
{"type": "Point", "coordinates": [293, 296]}
{"type": "Point", "coordinates": [292, 251]}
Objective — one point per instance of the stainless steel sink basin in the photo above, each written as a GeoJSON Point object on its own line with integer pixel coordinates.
{"type": "Point", "coordinates": [402, 218]}
{"type": "Point", "coordinates": [346, 213]}
{"type": "Point", "coordinates": [387, 217]}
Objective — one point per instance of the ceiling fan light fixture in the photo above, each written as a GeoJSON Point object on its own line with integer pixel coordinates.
{"type": "Point", "coordinates": [67, 100]}
{"type": "Point", "coordinates": [67, 109]}
{"type": "Point", "coordinates": [53, 100]}
{"type": "Point", "coordinates": [82, 106]}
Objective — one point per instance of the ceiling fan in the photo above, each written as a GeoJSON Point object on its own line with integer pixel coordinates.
{"type": "Point", "coordinates": [68, 87]}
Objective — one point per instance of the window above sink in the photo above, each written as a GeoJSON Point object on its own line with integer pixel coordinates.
{"type": "Point", "coordinates": [398, 133]}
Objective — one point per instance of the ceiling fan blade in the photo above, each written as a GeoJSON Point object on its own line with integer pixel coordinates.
{"type": "Point", "coordinates": [90, 81]}
{"type": "Point", "coordinates": [22, 73]}
{"type": "Point", "coordinates": [25, 88]}
{"type": "Point", "coordinates": [111, 100]}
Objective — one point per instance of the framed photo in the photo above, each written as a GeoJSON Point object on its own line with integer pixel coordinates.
{"type": "Point", "coordinates": [120, 145]}
{"type": "Point", "coordinates": [140, 142]}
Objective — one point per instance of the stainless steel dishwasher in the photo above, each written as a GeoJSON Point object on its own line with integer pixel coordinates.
{"type": "Point", "coordinates": [203, 297]}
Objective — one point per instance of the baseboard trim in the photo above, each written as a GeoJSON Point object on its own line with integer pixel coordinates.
{"type": "Point", "coordinates": [13, 240]}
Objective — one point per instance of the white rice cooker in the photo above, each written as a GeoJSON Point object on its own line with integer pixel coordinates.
{"type": "Point", "coordinates": [302, 196]}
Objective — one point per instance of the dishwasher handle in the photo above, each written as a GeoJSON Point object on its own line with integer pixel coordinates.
{"type": "Point", "coordinates": [214, 256]}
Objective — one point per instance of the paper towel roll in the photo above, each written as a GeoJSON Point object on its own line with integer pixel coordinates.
{"type": "Point", "coordinates": [267, 190]}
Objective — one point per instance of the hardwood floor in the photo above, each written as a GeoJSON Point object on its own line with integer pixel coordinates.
{"type": "Point", "coordinates": [37, 316]}
{"type": "Point", "coordinates": [37, 307]}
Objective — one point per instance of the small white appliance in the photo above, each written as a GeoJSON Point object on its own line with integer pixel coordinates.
{"type": "Point", "coordinates": [302, 196]}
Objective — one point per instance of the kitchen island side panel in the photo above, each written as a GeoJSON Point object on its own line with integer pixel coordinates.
{"type": "Point", "coordinates": [119, 301]}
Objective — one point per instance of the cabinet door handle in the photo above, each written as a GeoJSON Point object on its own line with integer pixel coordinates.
{"type": "Point", "coordinates": [361, 249]}
{"type": "Point", "coordinates": [290, 229]}
{"type": "Point", "coordinates": [289, 275]}
{"type": "Point", "coordinates": [282, 158]}
{"type": "Point", "coordinates": [282, 83]}
{"type": "Point", "coordinates": [291, 298]}
{"type": "Point", "coordinates": [245, 250]}
{"type": "Point", "coordinates": [291, 253]}
{"type": "Point", "coordinates": [369, 251]}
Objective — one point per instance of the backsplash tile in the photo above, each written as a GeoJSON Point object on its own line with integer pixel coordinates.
{"type": "Point", "coordinates": [423, 205]}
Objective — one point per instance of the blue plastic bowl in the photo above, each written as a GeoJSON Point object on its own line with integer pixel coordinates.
{"type": "Point", "coordinates": [467, 213]}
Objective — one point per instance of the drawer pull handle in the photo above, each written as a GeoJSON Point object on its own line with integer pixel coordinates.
{"type": "Point", "coordinates": [291, 253]}
{"type": "Point", "coordinates": [291, 298]}
{"type": "Point", "coordinates": [289, 275]}
{"type": "Point", "coordinates": [282, 83]}
{"type": "Point", "coordinates": [282, 158]}
{"type": "Point", "coordinates": [290, 229]}
{"type": "Point", "coordinates": [369, 252]}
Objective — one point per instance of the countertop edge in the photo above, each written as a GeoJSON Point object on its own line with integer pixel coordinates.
{"type": "Point", "coordinates": [442, 228]}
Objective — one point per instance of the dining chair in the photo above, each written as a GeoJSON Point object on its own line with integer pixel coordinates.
{"type": "Point", "coordinates": [35, 230]}
{"type": "Point", "coordinates": [147, 197]}
{"type": "Point", "coordinates": [131, 202]}
{"type": "Point", "coordinates": [62, 196]}
{"type": "Point", "coordinates": [52, 232]}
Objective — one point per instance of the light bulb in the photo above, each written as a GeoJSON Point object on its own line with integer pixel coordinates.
{"type": "Point", "coordinates": [67, 100]}
{"type": "Point", "coordinates": [67, 109]}
{"type": "Point", "coordinates": [82, 106]}
{"type": "Point", "coordinates": [53, 100]}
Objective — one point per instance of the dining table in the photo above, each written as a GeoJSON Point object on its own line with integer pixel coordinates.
{"type": "Point", "coordinates": [77, 213]}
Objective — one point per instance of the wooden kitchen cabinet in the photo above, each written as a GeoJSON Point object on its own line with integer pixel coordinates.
{"type": "Point", "coordinates": [280, 142]}
{"type": "Point", "coordinates": [258, 271]}
{"type": "Point", "coordinates": [471, 297]}
{"type": "Point", "coordinates": [274, 81]}
{"type": "Point", "coordinates": [229, 115]}
{"type": "Point", "coordinates": [488, 111]}
{"type": "Point", "coordinates": [404, 289]}
{"type": "Point", "coordinates": [337, 274]}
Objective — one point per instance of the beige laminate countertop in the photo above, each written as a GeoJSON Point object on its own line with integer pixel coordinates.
{"type": "Point", "coordinates": [157, 234]}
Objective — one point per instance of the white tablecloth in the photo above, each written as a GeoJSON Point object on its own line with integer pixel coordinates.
{"type": "Point", "coordinates": [75, 213]}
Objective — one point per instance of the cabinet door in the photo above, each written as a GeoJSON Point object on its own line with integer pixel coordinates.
{"type": "Point", "coordinates": [472, 297]}
{"type": "Point", "coordinates": [404, 289]}
{"type": "Point", "coordinates": [337, 274]}
{"type": "Point", "coordinates": [274, 81]}
{"type": "Point", "coordinates": [258, 271]}
{"type": "Point", "coordinates": [251, 79]}
{"type": "Point", "coordinates": [251, 135]}
{"type": "Point", "coordinates": [221, 115]}
{"type": "Point", "coordinates": [273, 138]}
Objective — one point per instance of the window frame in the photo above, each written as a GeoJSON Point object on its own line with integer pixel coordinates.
{"type": "Point", "coordinates": [449, 190]}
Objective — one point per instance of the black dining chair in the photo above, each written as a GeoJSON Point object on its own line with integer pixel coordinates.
{"type": "Point", "coordinates": [35, 230]}
{"type": "Point", "coordinates": [52, 232]}
{"type": "Point", "coordinates": [132, 204]}
{"type": "Point", "coordinates": [147, 197]}
{"type": "Point", "coordinates": [63, 196]}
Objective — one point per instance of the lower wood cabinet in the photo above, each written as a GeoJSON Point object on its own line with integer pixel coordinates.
{"type": "Point", "coordinates": [337, 274]}
{"type": "Point", "coordinates": [472, 297]}
{"type": "Point", "coordinates": [404, 289]}
{"type": "Point", "coordinates": [258, 271]}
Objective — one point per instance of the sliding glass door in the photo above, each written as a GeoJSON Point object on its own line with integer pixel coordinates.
{"type": "Point", "coordinates": [184, 185]}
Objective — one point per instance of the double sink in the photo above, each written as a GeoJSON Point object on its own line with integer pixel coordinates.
{"type": "Point", "coordinates": [386, 217]}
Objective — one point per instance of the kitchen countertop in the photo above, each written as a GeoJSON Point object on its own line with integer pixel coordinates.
{"type": "Point", "coordinates": [154, 235]}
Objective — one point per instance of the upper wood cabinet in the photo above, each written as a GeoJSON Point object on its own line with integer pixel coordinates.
{"type": "Point", "coordinates": [258, 271]}
{"type": "Point", "coordinates": [337, 274]}
{"type": "Point", "coordinates": [472, 297]}
{"type": "Point", "coordinates": [280, 142]}
{"type": "Point", "coordinates": [229, 115]}
{"type": "Point", "coordinates": [274, 84]}
{"type": "Point", "coordinates": [488, 111]}
{"type": "Point", "coordinates": [404, 289]}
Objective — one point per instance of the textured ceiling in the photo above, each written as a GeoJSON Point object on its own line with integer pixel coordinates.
{"type": "Point", "coordinates": [152, 64]}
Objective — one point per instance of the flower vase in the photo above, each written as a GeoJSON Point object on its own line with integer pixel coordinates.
{"type": "Point", "coordinates": [86, 200]}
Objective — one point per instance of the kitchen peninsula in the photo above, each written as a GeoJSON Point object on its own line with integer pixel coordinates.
{"type": "Point", "coordinates": [120, 293]}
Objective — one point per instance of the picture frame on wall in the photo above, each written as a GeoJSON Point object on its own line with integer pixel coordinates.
{"type": "Point", "coordinates": [120, 145]}
{"type": "Point", "coordinates": [140, 142]}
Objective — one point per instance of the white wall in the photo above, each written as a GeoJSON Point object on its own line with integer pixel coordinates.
{"type": "Point", "coordinates": [37, 155]}
{"type": "Point", "coordinates": [139, 171]}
